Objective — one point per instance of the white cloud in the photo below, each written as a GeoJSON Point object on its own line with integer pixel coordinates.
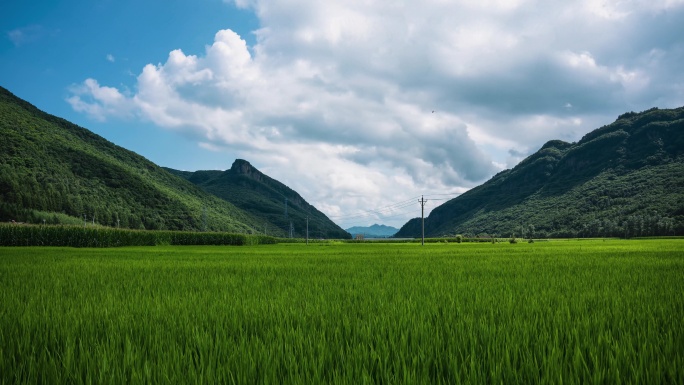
{"type": "Point", "coordinates": [620, 9]}
{"type": "Point", "coordinates": [99, 102]}
{"type": "Point", "coordinates": [336, 98]}
{"type": "Point", "coordinates": [110, 58]}
{"type": "Point", "coordinates": [24, 35]}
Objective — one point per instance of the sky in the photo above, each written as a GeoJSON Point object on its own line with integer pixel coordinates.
{"type": "Point", "coordinates": [361, 106]}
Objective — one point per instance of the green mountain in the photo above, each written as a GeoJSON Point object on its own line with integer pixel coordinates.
{"type": "Point", "coordinates": [624, 179]}
{"type": "Point", "coordinates": [265, 198]}
{"type": "Point", "coordinates": [54, 171]}
{"type": "Point", "coordinates": [374, 231]}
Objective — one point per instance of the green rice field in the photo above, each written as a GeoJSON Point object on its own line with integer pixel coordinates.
{"type": "Point", "coordinates": [559, 312]}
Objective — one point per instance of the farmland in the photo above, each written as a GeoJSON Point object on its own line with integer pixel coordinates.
{"type": "Point", "coordinates": [548, 312]}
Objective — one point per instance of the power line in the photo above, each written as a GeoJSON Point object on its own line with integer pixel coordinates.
{"type": "Point", "coordinates": [390, 211]}
{"type": "Point", "coordinates": [408, 214]}
{"type": "Point", "coordinates": [380, 210]}
{"type": "Point", "coordinates": [500, 188]}
{"type": "Point", "coordinates": [542, 188]}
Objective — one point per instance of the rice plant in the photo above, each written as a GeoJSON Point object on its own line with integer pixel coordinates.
{"type": "Point", "coordinates": [548, 312]}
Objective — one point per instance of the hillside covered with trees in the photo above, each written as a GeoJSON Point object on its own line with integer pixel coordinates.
{"type": "Point", "coordinates": [625, 179]}
{"type": "Point", "coordinates": [54, 171]}
{"type": "Point", "coordinates": [266, 198]}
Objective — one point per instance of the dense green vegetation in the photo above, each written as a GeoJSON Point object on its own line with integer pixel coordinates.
{"type": "Point", "coordinates": [54, 171]}
{"type": "Point", "coordinates": [98, 236]}
{"type": "Point", "coordinates": [264, 197]}
{"type": "Point", "coordinates": [621, 180]}
{"type": "Point", "coordinates": [571, 312]}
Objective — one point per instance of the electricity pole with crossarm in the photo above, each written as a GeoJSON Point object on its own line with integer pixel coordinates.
{"type": "Point", "coordinates": [422, 219]}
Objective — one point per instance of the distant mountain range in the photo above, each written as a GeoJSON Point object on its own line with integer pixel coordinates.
{"type": "Point", "coordinates": [623, 179]}
{"type": "Point", "coordinates": [266, 198]}
{"type": "Point", "coordinates": [53, 171]}
{"type": "Point", "coordinates": [374, 231]}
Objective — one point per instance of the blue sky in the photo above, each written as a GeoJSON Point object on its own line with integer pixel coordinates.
{"type": "Point", "coordinates": [48, 46]}
{"type": "Point", "coordinates": [357, 105]}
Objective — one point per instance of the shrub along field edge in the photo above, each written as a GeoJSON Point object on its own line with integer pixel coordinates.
{"type": "Point", "coordinates": [98, 236]}
{"type": "Point", "coordinates": [76, 236]}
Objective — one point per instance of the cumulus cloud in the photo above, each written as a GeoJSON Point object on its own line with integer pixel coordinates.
{"type": "Point", "coordinates": [355, 104]}
{"type": "Point", "coordinates": [100, 102]}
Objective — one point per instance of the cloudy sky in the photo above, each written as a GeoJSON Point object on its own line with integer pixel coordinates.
{"type": "Point", "coordinates": [360, 106]}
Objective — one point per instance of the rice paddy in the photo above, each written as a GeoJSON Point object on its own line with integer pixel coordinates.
{"type": "Point", "coordinates": [548, 312]}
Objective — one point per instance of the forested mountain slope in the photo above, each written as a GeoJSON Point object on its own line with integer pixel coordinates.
{"type": "Point", "coordinates": [624, 179]}
{"type": "Point", "coordinates": [54, 171]}
{"type": "Point", "coordinates": [265, 198]}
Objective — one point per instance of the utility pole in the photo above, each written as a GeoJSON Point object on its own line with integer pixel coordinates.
{"type": "Point", "coordinates": [422, 219]}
